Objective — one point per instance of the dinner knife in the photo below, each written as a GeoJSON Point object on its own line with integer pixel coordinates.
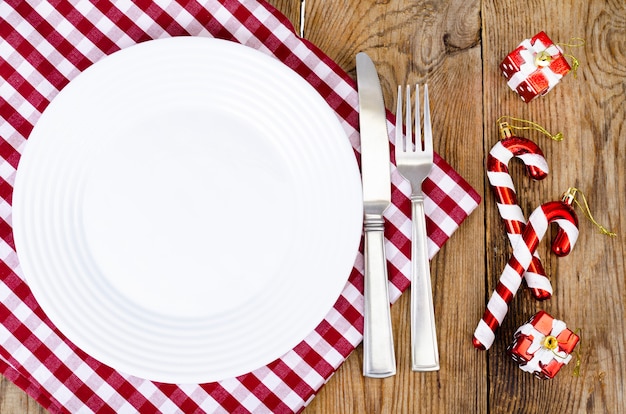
{"type": "Point", "coordinates": [379, 359]}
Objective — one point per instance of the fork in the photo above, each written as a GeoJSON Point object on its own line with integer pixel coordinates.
{"type": "Point", "coordinates": [414, 163]}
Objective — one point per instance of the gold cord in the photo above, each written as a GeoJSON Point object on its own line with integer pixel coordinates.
{"type": "Point", "coordinates": [580, 40]}
{"type": "Point", "coordinates": [578, 363]}
{"type": "Point", "coordinates": [506, 127]}
{"type": "Point", "coordinates": [570, 194]}
{"type": "Point", "coordinates": [580, 43]}
{"type": "Point", "coordinates": [575, 64]}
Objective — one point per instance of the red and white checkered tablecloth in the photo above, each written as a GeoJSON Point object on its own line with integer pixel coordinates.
{"type": "Point", "coordinates": [44, 45]}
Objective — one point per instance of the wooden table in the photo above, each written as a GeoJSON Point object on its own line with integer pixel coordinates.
{"type": "Point", "coordinates": [456, 46]}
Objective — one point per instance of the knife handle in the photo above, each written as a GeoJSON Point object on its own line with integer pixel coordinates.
{"type": "Point", "coordinates": [424, 352]}
{"type": "Point", "coordinates": [379, 360]}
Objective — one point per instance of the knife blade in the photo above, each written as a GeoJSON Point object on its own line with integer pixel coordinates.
{"type": "Point", "coordinates": [378, 350]}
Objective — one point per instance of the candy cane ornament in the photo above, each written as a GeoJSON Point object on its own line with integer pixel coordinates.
{"type": "Point", "coordinates": [559, 212]}
{"type": "Point", "coordinates": [506, 199]}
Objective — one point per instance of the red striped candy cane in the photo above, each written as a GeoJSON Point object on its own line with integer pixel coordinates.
{"type": "Point", "coordinates": [559, 212]}
{"type": "Point", "coordinates": [506, 199]}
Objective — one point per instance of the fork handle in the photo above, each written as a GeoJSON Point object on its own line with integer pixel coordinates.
{"type": "Point", "coordinates": [379, 359]}
{"type": "Point", "coordinates": [424, 352]}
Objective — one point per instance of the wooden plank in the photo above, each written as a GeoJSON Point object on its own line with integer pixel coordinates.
{"type": "Point", "coordinates": [438, 43]}
{"type": "Point", "coordinates": [13, 400]}
{"type": "Point", "coordinates": [589, 283]}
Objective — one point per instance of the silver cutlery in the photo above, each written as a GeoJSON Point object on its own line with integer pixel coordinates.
{"type": "Point", "coordinates": [414, 162]}
{"type": "Point", "coordinates": [379, 359]}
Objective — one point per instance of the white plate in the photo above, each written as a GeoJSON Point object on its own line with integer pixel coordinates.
{"type": "Point", "coordinates": [187, 210]}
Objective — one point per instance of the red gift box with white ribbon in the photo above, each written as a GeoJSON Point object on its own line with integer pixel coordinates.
{"type": "Point", "coordinates": [543, 345]}
{"type": "Point", "coordinates": [534, 67]}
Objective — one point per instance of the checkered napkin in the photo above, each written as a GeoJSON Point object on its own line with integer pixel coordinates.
{"type": "Point", "coordinates": [43, 46]}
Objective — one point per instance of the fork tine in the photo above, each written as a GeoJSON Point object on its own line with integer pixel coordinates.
{"type": "Point", "coordinates": [418, 130]}
{"type": "Point", "coordinates": [399, 135]}
{"type": "Point", "coordinates": [409, 131]}
{"type": "Point", "coordinates": [428, 132]}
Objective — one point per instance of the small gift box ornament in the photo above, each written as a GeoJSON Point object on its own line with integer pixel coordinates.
{"type": "Point", "coordinates": [535, 67]}
{"type": "Point", "coordinates": [543, 345]}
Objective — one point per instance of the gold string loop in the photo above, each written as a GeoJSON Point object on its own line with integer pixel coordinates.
{"type": "Point", "coordinates": [580, 42]}
{"type": "Point", "coordinates": [506, 127]}
{"type": "Point", "coordinates": [570, 196]}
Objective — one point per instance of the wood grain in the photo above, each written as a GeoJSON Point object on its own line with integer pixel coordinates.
{"type": "Point", "coordinates": [456, 46]}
